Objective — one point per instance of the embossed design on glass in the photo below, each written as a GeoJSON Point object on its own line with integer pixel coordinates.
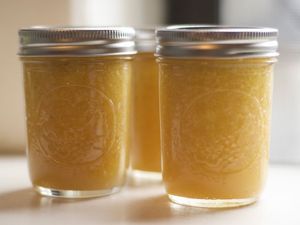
{"type": "Point", "coordinates": [221, 124]}
{"type": "Point", "coordinates": [61, 135]}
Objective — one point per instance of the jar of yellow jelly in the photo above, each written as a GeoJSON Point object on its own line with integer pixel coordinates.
{"type": "Point", "coordinates": [145, 154]}
{"type": "Point", "coordinates": [77, 85]}
{"type": "Point", "coordinates": [215, 108]}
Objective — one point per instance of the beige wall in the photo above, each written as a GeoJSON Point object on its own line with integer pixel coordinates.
{"type": "Point", "coordinates": [13, 15]}
{"type": "Point", "coordinates": [137, 13]}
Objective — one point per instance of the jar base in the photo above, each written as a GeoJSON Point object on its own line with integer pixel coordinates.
{"type": "Point", "coordinates": [141, 174]}
{"type": "Point", "coordinates": [59, 193]}
{"type": "Point", "coordinates": [212, 203]}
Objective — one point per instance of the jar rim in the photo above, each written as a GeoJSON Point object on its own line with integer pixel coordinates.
{"type": "Point", "coordinates": [145, 39]}
{"type": "Point", "coordinates": [76, 41]}
{"type": "Point", "coordinates": [216, 41]}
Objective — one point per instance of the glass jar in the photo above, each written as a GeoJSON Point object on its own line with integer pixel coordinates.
{"type": "Point", "coordinates": [215, 108]}
{"type": "Point", "coordinates": [77, 85]}
{"type": "Point", "coordinates": [145, 157]}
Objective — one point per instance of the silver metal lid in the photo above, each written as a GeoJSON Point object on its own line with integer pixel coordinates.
{"type": "Point", "coordinates": [216, 41]}
{"type": "Point", "coordinates": [76, 41]}
{"type": "Point", "coordinates": [145, 40]}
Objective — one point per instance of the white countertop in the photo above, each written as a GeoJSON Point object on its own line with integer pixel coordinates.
{"type": "Point", "coordinates": [141, 204]}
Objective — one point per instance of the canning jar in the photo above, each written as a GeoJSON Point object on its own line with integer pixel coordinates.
{"type": "Point", "coordinates": [77, 85]}
{"type": "Point", "coordinates": [215, 110]}
{"type": "Point", "coordinates": [145, 156]}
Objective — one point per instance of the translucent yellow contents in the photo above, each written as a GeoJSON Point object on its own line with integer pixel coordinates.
{"type": "Point", "coordinates": [77, 121]}
{"type": "Point", "coordinates": [215, 120]}
{"type": "Point", "coordinates": [146, 135]}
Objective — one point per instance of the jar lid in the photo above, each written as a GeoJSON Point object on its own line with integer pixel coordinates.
{"type": "Point", "coordinates": [76, 41]}
{"type": "Point", "coordinates": [145, 40]}
{"type": "Point", "coordinates": [216, 41]}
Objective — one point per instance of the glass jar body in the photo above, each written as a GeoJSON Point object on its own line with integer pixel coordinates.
{"type": "Point", "coordinates": [215, 129]}
{"type": "Point", "coordinates": [77, 123]}
{"type": "Point", "coordinates": [145, 112]}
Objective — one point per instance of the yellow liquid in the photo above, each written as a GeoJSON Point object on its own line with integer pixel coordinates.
{"type": "Point", "coordinates": [215, 121]}
{"type": "Point", "coordinates": [146, 136]}
{"type": "Point", "coordinates": [77, 121]}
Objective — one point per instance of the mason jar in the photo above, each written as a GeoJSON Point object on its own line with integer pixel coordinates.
{"type": "Point", "coordinates": [215, 109]}
{"type": "Point", "coordinates": [145, 154]}
{"type": "Point", "coordinates": [77, 85]}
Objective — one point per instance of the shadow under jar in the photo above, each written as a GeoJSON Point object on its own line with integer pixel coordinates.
{"type": "Point", "coordinates": [77, 86]}
{"type": "Point", "coordinates": [145, 155]}
{"type": "Point", "coordinates": [215, 108]}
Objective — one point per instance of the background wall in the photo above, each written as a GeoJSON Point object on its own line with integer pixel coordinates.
{"type": "Point", "coordinates": [135, 13]}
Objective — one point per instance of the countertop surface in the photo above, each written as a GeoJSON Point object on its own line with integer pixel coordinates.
{"type": "Point", "coordinates": [143, 203]}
